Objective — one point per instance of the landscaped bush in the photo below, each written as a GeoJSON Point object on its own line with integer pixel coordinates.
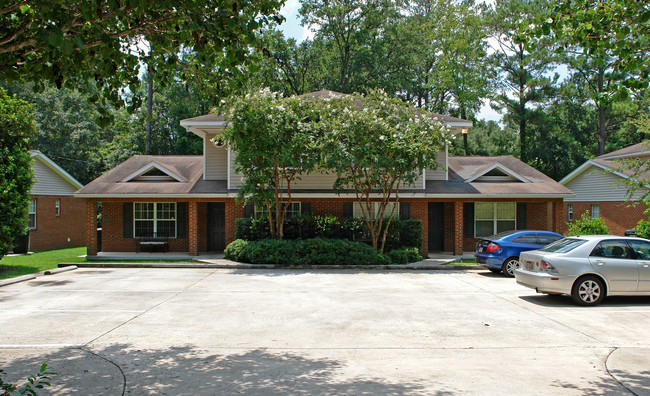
{"type": "Point", "coordinates": [586, 225]}
{"type": "Point", "coordinates": [643, 226]}
{"type": "Point", "coordinates": [314, 251]}
{"type": "Point", "coordinates": [401, 233]}
{"type": "Point", "coordinates": [405, 255]}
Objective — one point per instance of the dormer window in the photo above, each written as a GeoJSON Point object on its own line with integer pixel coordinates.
{"type": "Point", "coordinates": [153, 172]}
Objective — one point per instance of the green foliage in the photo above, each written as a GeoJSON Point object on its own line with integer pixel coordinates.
{"type": "Point", "coordinates": [376, 143]}
{"type": "Point", "coordinates": [315, 251]}
{"type": "Point", "coordinates": [16, 128]}
{"type": "Point", "coordinates": [79, 43]}
{"type": "Point", "coordinates": [37, 381]}
{"type": "Point", "coordinates": [39, 261]}
{"type": "Point", "coordinates": [587, 225]}
{"type": "Point", "coordinates": [401, 233]}
{"type": "Point", "coordinates": [276, 141]}
{"type": "Point", "coordinates": [405, 255]}
{"type": "Point", "coordinates": [643, 226]}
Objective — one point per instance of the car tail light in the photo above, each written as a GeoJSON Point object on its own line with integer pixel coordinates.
{"type": "Point", "coordinates": [545, 266]}
{"type": "Point", "coordinates": [492, 247]}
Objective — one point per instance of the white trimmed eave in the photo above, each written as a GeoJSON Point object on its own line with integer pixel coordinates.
{"type": "Point", "coordinates": [204, 128]}
{"type": "Point", "coordinates": [56, 169]}
{"type": "Point", "coordinates": [330, 195]}
{"type": "Point", "coordinates": [579, 170]}
{"type": "Point", "coordinates": [503, 169]}
{"type": "Point", "coordinates": [150, 166]}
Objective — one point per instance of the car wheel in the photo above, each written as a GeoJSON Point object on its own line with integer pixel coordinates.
{"type": "Point", "coordinates": [509, 266]}
{"type": "Point", "coordinates": [588, 290]}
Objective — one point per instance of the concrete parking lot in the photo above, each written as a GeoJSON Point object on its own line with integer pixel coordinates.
{"type": "Point", "coordinates": [275, 332]}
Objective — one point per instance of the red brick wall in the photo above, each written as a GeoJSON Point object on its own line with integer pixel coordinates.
{"type": "Point", "coordinates": [52, 231]}
{"type": "Point", "coordinates": [618, 215]}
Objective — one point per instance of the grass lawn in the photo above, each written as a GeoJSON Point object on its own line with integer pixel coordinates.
{"type": "Point", "coordinates": [40, 261]}
{"type": "Point", "coordinates": [11, 267]}
{"type": "Point", "coordinates": [464, 262]}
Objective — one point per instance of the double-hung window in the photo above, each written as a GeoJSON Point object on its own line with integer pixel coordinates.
{"type": "Point", "coordinates": [357, 213]}
{"type": "Point", "coordinates": [292, 210]}
{"type": "Point", "coordinates": [154, 219]}
{"type": "Point", "coordinates": [32, 213]}
{"type": "Point", "coordinates": [57, 207]}
{"type": "Point", "coordinates": [569, 209]}
{"type": "Point", "coordinates": [494, 217]}
{"type": "Point", "coordinates": [595, 211]}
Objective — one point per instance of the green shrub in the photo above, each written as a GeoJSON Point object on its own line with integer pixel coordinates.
{"type": "Point", "coordinates": [313, 251]}
{"type": "Point", "coordinates": [235, 250]}
{"type": "Point", "coordinates": [586, 225]}
{"type": "Point", "coordinates": [643, 226]}
{"type": "Point", "coordinates": [401, 233]}
{"type": "Point", "coordinates": [405, 255]}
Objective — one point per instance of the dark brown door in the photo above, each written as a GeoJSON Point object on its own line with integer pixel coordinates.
{"type": "Point", "coordinates": [436, 226]}
{"type": "Point", "coordinates": [216, 226]}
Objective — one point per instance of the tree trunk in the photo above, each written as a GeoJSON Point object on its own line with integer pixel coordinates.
{"type": "Point", "coordinates": [147, 142]}
{"type": "Point", "coordinates": [601, 114]}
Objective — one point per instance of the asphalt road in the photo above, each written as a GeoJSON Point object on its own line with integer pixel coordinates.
{"type": "Point", "coordinates": [277, 332]}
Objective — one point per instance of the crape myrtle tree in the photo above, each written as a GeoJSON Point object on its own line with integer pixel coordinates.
{"type": "Point", "coordinates": [377, 144]}
{"type": "Point", "coordinates": [16, 173]}
{"type": "Point", "coordinates": [276, 141]}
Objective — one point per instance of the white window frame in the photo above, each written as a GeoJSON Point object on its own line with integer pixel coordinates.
{"type": "Point", "coordinates": [57, 207]}
{"type": "Point", "coordinates": [260, 210]}
{"type": "Point", "coordinates": [595, 211]}
{"type": "Point", "coordinates": [32, 211]}
{"type": "Point", "coordinates": [376, 206]}
{"type": "Point", "coordinates": [155, 219]}
{"type": "Point", "coordinates": [495, 219]}
{"type": "Point", "coordinates": [569, 210]}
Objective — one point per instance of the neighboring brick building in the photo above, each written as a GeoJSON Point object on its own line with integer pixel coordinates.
{"type": "Point", "coordinates": [56, 217]}
{"type": "Point", "coordinates": [600, 190]}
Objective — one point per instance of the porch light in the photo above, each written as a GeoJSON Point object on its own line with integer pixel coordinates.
{"type": "Point", "coordinates": [464, 131]}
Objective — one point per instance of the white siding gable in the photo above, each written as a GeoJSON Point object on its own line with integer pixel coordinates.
{"type": "Point", "coordinates": [595, 184]}
{"type": "Point", "coordinates": [48, 182]}
{"type": "Point", "coordinates": [216, 160]}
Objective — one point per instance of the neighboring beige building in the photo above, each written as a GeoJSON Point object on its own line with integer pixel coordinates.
{"type": "Point", "coordinates": [599, 186]}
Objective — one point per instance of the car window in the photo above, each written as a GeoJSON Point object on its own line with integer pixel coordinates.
{"type": "Point", "coordinates": [529, 239]}
{"type": "Point", "coordinates": [641, 249]}
{"type": "Point", "coordinates": [612, 248]}
{"type": "Point", "coordinates": [563, 245]}
{"type": "Point", "coordinates": [545, 239]}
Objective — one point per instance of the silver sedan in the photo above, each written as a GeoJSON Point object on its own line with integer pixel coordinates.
{"type": "Point", "coordinates": [588, 268]}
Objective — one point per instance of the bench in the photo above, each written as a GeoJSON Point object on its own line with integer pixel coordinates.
{"type": "Point", "coordinates": [152, 244]}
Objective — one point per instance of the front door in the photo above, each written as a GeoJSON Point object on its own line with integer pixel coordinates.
{"type": "Point", "coordinates": [436, 226]}
{"type": "Point", "coordinates": [216, 226]}
{"type": "Point", "coordinates": [613, 258]}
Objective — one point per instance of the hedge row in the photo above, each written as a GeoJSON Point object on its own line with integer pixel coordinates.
{"type": "Point", "coordinates": [315, 251]}
{"type": "Point", "coordinates": [401, 233]}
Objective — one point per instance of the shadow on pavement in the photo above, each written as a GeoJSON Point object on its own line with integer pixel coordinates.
{"type": "Point", "coordinates": [191, 371]}
{"type": "Point", "coordinates": [565, 301]}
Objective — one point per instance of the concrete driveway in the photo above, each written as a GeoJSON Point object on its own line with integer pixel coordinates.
{"type": "Point", "coordinates": [276, 332]}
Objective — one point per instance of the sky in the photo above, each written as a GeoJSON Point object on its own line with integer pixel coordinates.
{"type": "Point", "coordinates": [291, 28]}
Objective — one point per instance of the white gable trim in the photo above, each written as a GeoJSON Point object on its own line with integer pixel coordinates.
{"type": "Point", "coordinates": [503, 169]}
{"type": "Point", "coordinates": [56, 168]}
{"type": "Point", "coordinates": [151, 166]}
{"type": "Point", "coordinates": [582, 168]}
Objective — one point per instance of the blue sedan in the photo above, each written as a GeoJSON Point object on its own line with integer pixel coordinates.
{"type": "Point", "coordinates": [500, 252]}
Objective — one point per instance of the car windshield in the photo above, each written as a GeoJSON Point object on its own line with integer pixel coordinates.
{"type": "Point", "coordinates": [563, 245]}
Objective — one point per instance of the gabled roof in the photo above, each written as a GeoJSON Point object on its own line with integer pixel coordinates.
{"type": "Point", "coordinates": [611, 162]}
{"type": "Point", "coordinates": [212, 123]}
{"type": "Point", "coordinates": [37, 155]}
{"type": "Point", "coordinates": [121, 180]}
{"type": "Point", "coordinates": [464, 180]}
{"type": "Point", "coordinates": [141, 173]}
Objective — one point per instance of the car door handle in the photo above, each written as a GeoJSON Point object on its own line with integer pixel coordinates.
{"type": "Point", "coordinates": [644, 264]}
{"type": "Point", "coordinates": [599, 262]}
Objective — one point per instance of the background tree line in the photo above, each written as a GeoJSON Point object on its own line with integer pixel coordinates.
{"type": "Point", "coordinates": [560, 103]}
